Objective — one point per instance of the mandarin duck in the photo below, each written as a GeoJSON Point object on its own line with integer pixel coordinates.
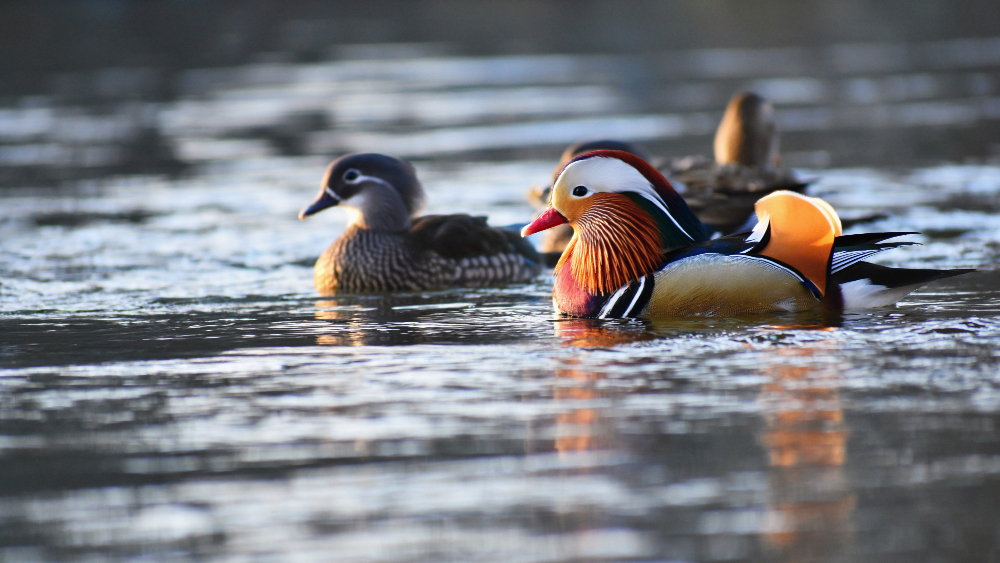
{"type": "Point", "coordinates": [721, 193]}
{"type": "Point", "coordinates": [638, 250]}
{"type": "Point", "coordinates": [386, 248]}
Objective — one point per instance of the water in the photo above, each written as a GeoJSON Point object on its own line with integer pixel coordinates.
{"type": "Point", "coordinates": [172, 389]}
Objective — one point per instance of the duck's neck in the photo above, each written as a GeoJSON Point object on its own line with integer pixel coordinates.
{"type": "Point", "coordinates": [604, 255]}
{"type": "Point", "coordinates": [378, 208]}
{"type": "Point", "coordinates": [568, 295]}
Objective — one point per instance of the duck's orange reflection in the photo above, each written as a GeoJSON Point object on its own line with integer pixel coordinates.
{"type": "Point", "coordinates": [590, 333]}
{"type": "Point", "coordinates": [576, 429]}
{"type": "Point", "coordinates": [806, 440]}
{"type": "Point", "coordinates": [332, 310]}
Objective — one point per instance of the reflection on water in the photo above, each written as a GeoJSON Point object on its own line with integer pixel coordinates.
{"type": "Point", "coordinates": [806, 440]}
{"type": "Point", "coordinates": [576, 428]}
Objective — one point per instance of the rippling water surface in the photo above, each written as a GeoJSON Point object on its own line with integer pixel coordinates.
{"type": "Point", "coordinates": [173, 389]}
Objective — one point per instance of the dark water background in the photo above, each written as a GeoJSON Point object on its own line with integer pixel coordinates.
{"type": "Point", "coordinates": [172, 389]}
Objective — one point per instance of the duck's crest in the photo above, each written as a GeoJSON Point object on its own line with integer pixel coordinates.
{"type": "Point", "coordinates": [664, 198]}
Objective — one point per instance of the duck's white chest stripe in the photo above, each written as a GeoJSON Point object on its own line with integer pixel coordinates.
{"type": "Point", "coordinates": [612, 301]}
{"type": "Point", "coordinates": [632, 307]}
{"type": "Point", "coordinates": [629, 300]}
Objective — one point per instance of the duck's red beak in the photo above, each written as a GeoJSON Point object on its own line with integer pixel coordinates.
{"type": "Point", "coordinates": [550, 218]}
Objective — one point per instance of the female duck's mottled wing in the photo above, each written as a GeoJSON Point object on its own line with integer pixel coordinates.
{"type": "Point", "coordinates": [484, 254]}
{"type": "Point", "coordinates": [723, 196]}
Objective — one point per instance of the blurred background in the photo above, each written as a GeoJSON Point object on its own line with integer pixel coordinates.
{"type": "Point", "coordinates": [172, 388]}
{"type": "Point", "coordinates": [89, 89]}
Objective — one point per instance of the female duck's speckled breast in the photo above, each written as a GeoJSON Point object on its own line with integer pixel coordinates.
{"type": "Point", "coordinates": [365, 260]}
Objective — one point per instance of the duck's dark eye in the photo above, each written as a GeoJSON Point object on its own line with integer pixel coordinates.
{"type": "Point", "coordinates": [351, 175]}
{"type": "Point", "coordinates": [579, 191]}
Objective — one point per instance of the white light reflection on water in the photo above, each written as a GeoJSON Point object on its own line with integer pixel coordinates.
{"type": "Point", "coordinates": [604, 451]}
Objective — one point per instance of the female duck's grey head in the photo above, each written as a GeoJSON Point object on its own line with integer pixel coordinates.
{"type": "Point", "coordinates": [383, 191]}
{"type": "Point", "coordinates": [748, 134]}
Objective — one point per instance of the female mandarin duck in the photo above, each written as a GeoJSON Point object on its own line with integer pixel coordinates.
{"type": "Point", "coordinates": [720, 193]}
{"type": "Point", "coordinates": [747, 166]}
{"type": "Point", "coordinates": [639, 251]}
{"type": "Point", "coordinates": [386, 248]}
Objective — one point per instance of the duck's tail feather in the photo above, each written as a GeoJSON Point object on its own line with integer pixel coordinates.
{"type": "Point", "coordinates": [847, 241]}
{"type": "Point", "coordinates": [851, 249]}
{"type": "Point", "coordinates": [865, 286]}
{"type": "Point", "coordinates": [802, 232]}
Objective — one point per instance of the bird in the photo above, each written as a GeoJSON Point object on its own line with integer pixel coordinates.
{"type": "Point", "coordinates": [386, 247]}
{"type": "Point", "coordinates": [638, 250]}
{"type": "Point", "coordinates": [720, 192]}
{"type": "Point", "coordinates": [747, 166]}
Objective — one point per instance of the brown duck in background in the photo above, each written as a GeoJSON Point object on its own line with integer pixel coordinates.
{"type": "Point", "coordinates": [746, 168]}
{"type": "Point", "coordinates": [721, 193]}
{"type": "Point", "coordinates": [385, 248]}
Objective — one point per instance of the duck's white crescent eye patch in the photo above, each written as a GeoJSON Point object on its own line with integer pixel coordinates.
{"type": "Point", "coordinates": [352, 176]}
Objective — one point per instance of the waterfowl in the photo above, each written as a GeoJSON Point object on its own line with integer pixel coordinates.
{"type": "Point", "coordinates": [638, 250]}
{"type": "Point", "coordinates": [747, 166]}
{"type": "Point", "coordinates": [721, 193]}
{"type": "Point", "coordinates": [385, 247]}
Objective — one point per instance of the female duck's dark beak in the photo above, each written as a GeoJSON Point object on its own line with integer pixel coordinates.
{"type": "Point", "coordinates": [327, 198]}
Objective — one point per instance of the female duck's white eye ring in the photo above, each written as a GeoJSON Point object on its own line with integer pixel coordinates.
{"type": "Point", "coordinates": [579, 191]}
{"type": "Point", "coordinates": [352, 176]}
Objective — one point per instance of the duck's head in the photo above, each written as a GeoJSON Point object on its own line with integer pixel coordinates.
{"type": "Point", "coordinates": [625, 215]}
{"type": "Point", "coordinates": [748, 133]}
{"type": "Point", "coordinates": [382, 192]}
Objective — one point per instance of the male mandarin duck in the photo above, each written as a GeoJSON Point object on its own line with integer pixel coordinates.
{"type": "Point", "coordinates": [639, 251]}
{"type": "Point", "coordinates": [721, 193]}
{"type": "Point", "coordinates": [386, 248]}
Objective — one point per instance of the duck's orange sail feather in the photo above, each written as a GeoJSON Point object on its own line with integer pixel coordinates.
{"type": "Point", "coordinates": [802, 233]}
